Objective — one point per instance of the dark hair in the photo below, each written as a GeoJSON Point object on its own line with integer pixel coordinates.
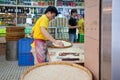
{"type": "Point", "coordinates": [73, 11]}
{"type": "Point", "coordinates": [51, 9]}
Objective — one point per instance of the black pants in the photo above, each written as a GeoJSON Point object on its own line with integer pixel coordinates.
{"type": "Point", "coordinates": [78, 40]}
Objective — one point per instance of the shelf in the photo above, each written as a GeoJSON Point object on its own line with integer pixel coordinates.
{"type": "Point", "coordinates": [35, 10]}
{"type": "Point", "coordinates": [57, 27]}
{"type": "Point", "coordinates": [2, 26]}
{"type": "Point", "coordinates": [63, 27]}
{"type": "Point", "coordinates": [51, 27]}
{"type": "Point", "coordinates": [31, 6]}
{"type": "Point", "coordinates": [10, 5]}
{"type": "Point", "coordinates": [76, 7]}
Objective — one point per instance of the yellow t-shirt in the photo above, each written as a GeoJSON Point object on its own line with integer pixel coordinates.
{"type": "Point", "coordinates": [81, 24]}
{"type": "Point", "coordinates": [43, 21]}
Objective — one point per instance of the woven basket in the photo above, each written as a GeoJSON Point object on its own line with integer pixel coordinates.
{"type": "Point", "coordinates": [15, 34]}
{"type": "Point", "coordinates": [13, 38]}
{"type": "Point", "coordinates": [14, 29]}
{"type": "Point", "coordinates": [56, 71]}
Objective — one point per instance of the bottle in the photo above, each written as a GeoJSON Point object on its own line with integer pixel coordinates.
{"type": "Point", "coordinates": [14, 10]}
{"type": "Point", "coordinates": [6, 9]}
{"type": "Point", "coordinates": [19, 10]}
{"type": "Point", "coordinates": [35, 11]}
{"type": "Point", "coordinates": [11, 10]}
{"type": "Point", "coordinates": [3, 9]}
{"type": "Point", "coordinates": [0, 9]}
{"type": "Point", "coordinates": [32, 10]}
{"type": "Point", "coordinates": [52, 2]}
{"type": "Point", "coordinates": [26, 10]}
{"type": "Point", "coordinates": [22, 10]}
{"type": "Point", "coordinates": [42, 2]}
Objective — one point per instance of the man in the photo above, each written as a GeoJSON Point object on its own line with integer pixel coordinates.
{"type": "Point", "coordinates": [40, 35]}
{"type": "Point", "coordinates": [73, 26]}
{"type": "Point", "coordinates": [81, 26]}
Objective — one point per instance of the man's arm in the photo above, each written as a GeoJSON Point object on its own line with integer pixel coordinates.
{"type": "Point", "coordinates": [49, 37]}
{"type": "Point", "coordinates": [73, 27]}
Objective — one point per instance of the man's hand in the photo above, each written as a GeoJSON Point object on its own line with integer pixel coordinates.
{"type": "Point", "coordinates": [60, 43]}
{"type": "Point", "coordinates": [77, 26]}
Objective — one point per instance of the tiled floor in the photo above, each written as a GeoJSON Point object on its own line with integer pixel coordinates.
{"type": "Point", "coordinates": [9, 70]}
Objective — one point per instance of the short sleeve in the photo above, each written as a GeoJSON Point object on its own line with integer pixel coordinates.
{"type": "Point", "coordinates": [78, 23]}
{"type": "Point", "coordinates": [44, 23]}
{"type": "Point", "coordinates": [33, 28]}
{"type": "Point", "coordinates": [70, 21]}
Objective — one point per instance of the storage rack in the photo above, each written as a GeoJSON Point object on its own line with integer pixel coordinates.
{"type": "Point", "coordinates": [20, 17]}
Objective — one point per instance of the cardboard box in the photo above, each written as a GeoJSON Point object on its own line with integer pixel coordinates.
{"type": "Point", "coordinates": [2, 48]}
{"type": "Point", "coordinates": [2, 40]}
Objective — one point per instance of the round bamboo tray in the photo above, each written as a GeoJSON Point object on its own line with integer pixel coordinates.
{"type": "Point", "coordinates": [53, 46]}
{"type": "Point", "coordinates": [56, 71]}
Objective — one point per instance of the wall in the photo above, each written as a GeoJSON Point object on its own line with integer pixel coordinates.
{"type": "Point", "coordinates": [92, 8]}
{"type": "Point", "coordinates": [116, 40]}
{"type": "Point", "coordinates": [106, 20]}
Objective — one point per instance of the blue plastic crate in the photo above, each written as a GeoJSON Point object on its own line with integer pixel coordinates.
{"type": "Point", "coordinates": [24, 45]}
{"type": "Point", "coordinates": [25, 59]}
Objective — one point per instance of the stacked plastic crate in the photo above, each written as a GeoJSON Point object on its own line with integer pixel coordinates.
{"type": "Point", "coordinates": [13, 34]}
{"type": "Point", "coordinates": [25, 57]}
{"type": "Point", "coordinates": [2, 32]}
{"type": "Point", "coordinates": [81, 38]}
{"type": "Point", "coordinates": [2, 41]}
{"type": "Point", "coordinates": [28, 31]}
